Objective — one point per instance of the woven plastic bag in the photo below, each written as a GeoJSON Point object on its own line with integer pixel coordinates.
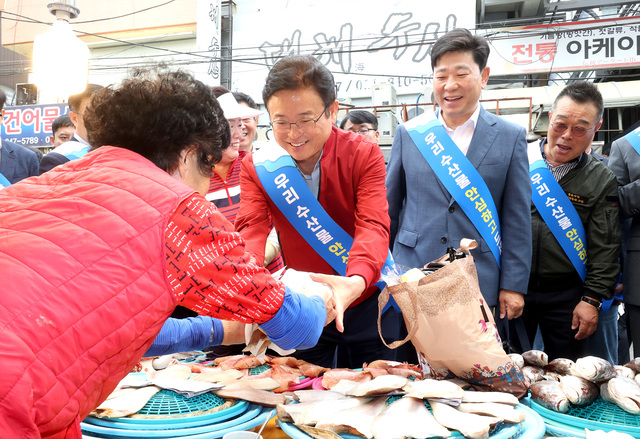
{"type": "Point", "coordinates": [452, 328]}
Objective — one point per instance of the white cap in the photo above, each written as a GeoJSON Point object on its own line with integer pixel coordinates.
{"type": "Point", "coordinates": [232, 109]}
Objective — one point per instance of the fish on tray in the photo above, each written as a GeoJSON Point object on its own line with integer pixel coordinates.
{"type": "Point", "coordinates": [505, 412]}
{"type": "Point", "coordinates": [579, 391]}
{"type": "Point", "coordinates": [536, 358]}
{"type": "Point", "coordinates": [624, 392]}
{"type": "Point", "coordinates": [499, 397]}
{"type": "Point", "coordinates": [470, 425]}
{"type": "Point", "coordinates": [550, 395]}
{"type": "Point", "coordinates": [624, 371]}
{"type": "Point", "coordinates": [593, 369]}
{"type": "Point", "coordinates": [533, 373]}
{"type": "Point", "coordinates": [378, 386]}
{"type": "Point", "coordinates": [429, 388]}
{"type": "Point", "coordinates": [560, 365]}
{"type": "Point", "coordinates": [333, 376]}
{"type": "Point", "coordinates": [356, 420]}
{"type": "Point", "coordinates": [308, 413]}
{"type": "Point", "coordinates": [407, 417]}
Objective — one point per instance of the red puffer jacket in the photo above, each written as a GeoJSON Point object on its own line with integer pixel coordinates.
{"type": "Point", "coordinates": [85, 291]}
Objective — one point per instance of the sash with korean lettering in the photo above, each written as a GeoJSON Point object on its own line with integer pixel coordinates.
{"type": "Point", "coordinates": [4, 182]}
{"type": "Point", "coordinates": [459, 177]}
{"type": "Point", "coordinates": [291, 195]}
{"type": "Point", "coordinates": [634, 139]}
{"type": "Point", "coordinates": [557, 211]}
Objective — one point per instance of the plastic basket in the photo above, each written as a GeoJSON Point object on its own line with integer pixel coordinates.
{"type": "Point", "coordinates": [600, 415]}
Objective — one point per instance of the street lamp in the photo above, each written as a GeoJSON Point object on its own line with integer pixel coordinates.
{"type": "Point", "coordinates": [60, 59]}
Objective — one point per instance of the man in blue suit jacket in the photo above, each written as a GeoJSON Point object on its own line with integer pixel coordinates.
{"type": "Point", "coordinates": [425, 219]}
{"type": "Point", "coordinates": [16, 162]}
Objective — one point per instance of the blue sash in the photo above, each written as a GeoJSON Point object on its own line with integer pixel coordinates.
{"type": "Point", "coordinates": [456, 173]}
{"type": "Point", "coordinates": [557, 211]}
{"type": "Point", "coordinates": [634, 139]}
{"type": "Point", "coordinates": [291, 195]}
{"type": "Point", "coordinates": [4, 182]}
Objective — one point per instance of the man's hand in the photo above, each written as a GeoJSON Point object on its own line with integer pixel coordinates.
{"type": "Point", "coordinates": [345, 291]}
{"type": "Point", "coordinates": [233, 332]}
{"type": "Point", "coordinates": [511, 304]}
{"type": "Point", "coordinates": [585, 320]}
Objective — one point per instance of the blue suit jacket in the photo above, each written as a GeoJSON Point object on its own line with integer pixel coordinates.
{"type": "Point", "coordinates": [17, 162]}
{"type": "Point", "coordinates": [425, 219]}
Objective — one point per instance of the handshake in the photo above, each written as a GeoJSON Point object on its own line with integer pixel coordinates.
{"type": "Point", "coordinates": [337, 292]}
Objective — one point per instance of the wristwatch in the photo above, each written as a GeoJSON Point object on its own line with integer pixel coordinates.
{"type": "Point", "coordinates": [591, 301]}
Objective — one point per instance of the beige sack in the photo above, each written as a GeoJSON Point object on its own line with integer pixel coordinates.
{"type": "Point", "coordinates": [452, 328]}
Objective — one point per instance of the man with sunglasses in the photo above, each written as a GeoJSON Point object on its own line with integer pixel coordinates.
{"type": "Point", "coordinates": [575, 228]}
{"type": "Point", "coordinates": [319, 182]}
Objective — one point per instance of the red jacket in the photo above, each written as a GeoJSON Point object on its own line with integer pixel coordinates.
{"type": "Point", "coordinates": [82, 301]}
{"type": "Point", "coordinates": [353, 193]}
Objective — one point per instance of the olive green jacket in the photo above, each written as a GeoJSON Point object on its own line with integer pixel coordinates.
{"type": "Point", "coordinates": [593, 191]}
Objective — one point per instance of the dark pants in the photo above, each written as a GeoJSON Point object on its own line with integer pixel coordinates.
{"type": "Point", "coordinates": [360, 343]}
{"type": "Point", "coordinates": [553, 312]}
{"type": "Point", "coordinates": [634, 327]}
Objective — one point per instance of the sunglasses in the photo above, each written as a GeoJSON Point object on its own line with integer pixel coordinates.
{"type": "Point", "coordinates": [576, 130]}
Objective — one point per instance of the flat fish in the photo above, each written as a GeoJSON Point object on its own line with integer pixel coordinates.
{"type": "Point", "coordinates": [407, 417]}
{"type": "Point", "coordinates": [499, 397]}
{"type": "Point", "coordinates": [218, 376]}
{"type": "Point", "coordinates": [377, 386]}
{"type": "Point", "coordinates": [578, 390]}
{"type": "Point", "coordinates": [550, 395]}
{"type": "Point", "coordinates": [358, 418]}
{"type": "Point", "coordinates": [262, 397]}
{"type": "Point", "coordinates": [536, 358]}
{"type": "Point", "coordinates": [318, 433]}
{"type": "Point", "coordinates": [470, 425]}
{"type": "Point", "coordinates": [593, 369]}
{"type": "Point", "coordinates": [128, 403]}
{"type": "Point", "coordinates": [308, 413]}
{"type": "Point", "coordinates": [333, 377]}
{"type": "Point", "coordinates": [624, 392]}
{"type": "Point", "coordinates": [430, 388]}
{"type": "Point", "coordinates": [560, 365]}
{"type": "Point", "coordinates": [505, 412]}
{"type": "Point", "coordinates": [308, 395]}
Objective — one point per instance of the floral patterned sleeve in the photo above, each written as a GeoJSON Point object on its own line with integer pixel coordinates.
{"type": "Point", "coordinates": [210, 271]}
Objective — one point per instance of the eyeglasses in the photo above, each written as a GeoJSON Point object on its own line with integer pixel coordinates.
{"type": "Point", "coordinates": [306, 125]}
{"type": "Point", "coordinates": [363, 131]}
{"type": "Point", "coordinates": [576, 130]}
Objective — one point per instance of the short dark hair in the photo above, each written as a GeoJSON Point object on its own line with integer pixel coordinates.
{"type": "Point", "coordinates": [358, 117]}
{"type": "Point", "coordinates": [61, 121]}
{"type": "Point", "coordinates": [461, 40]}
{"type": "Point", "coordinates": [219, 90]}
{"type": "Point", "coordinates": [158, 114]}
{"type": "Point", "coordinates": [582, 92]}
{"type": "Point", "coordinates": [3, 99]}
{"type": "Point", "coordinates": [243, 97]}
{"type": "Point", "coordinates": [75, 101]}
{"type": "Point", "coordinates": [300, 71]}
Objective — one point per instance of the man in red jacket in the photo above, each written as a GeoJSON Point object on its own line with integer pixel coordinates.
{"type": "Point", "coordinates": [345, 173]}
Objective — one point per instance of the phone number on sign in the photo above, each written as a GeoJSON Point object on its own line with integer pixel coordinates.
{"type": "Point", "coordinates": [27, 140]}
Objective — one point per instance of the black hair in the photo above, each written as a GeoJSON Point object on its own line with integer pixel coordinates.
{"type": "Point", "coordinates": [61, 121]}
{"type": "Point", "coordinates": [243, 97]}
{"type": "Point", "coordinates": [461, 40]}
{"type": "Point", "coordinates": [358, 117]}
{"type": "Point", "coordinates": [582, 92]}
{"type": "Point", "coordinates": [300, 71]}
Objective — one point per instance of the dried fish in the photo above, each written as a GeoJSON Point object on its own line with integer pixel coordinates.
{"type": "Point", "coordinates": [499, 397]}
{"type": "Point", "coordinates": [533, 374]}
{"type": "Point", "coordinates": [434, 389]}
{"type": "Point", "coordinates": [535, 358]}
{"type": "Point", "coordinates": [593, 369]}
{"type": "Point", "coordinates": [470, 425]}
{"type": "Point", "coordinates": [407, 417]}
{"type": "Point", "coordinates": [624, 392]}
{"type": "Point", "coordinates": [550, 395]}
{"type": "Point", "coordinates": [579, 391]}
{"type": "Point", "coordinates": [560, 365]}
{"type": "Point", "coordinates": [517, 359]}
{"type": "Point", "coordinates": [505, 412]}
{"type": "Point", "coordinates": [359, 418]}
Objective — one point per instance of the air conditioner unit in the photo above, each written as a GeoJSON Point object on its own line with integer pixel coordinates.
{"type": "Point", "coordinates": [384, 94]}
{"type": "Point", "coordinates": [26, 94]}
{"type": "Point", "coordinates": [387, 123]}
